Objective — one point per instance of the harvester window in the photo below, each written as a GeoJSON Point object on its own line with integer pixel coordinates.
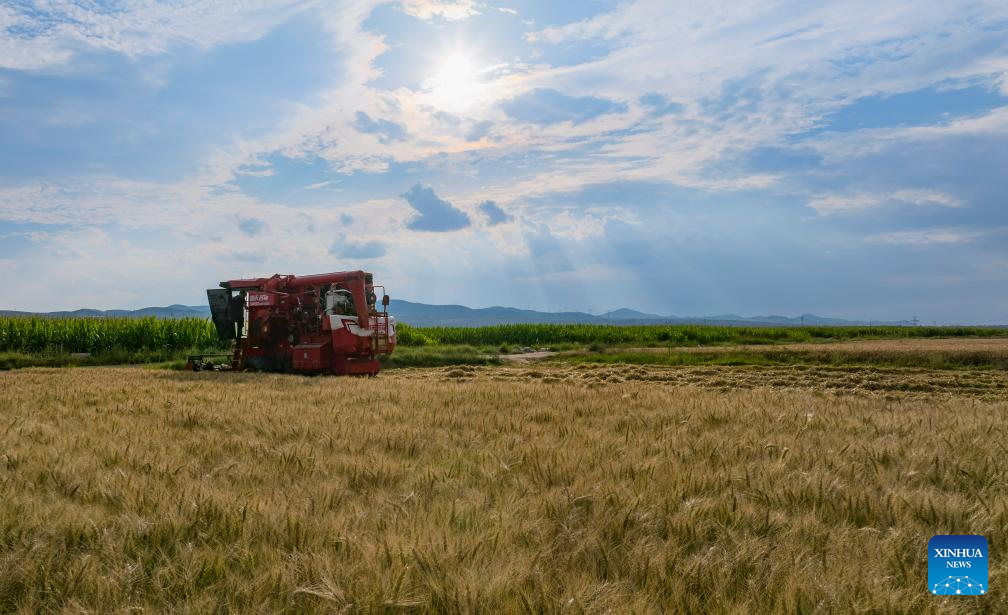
{"type": "Point", "coordinates": [339, 301]}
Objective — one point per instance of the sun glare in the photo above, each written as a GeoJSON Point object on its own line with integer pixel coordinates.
{"type": "Point", "coordinates": [455, 85]}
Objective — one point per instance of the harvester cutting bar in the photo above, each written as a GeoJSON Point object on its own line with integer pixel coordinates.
{"type": "Point", "coordinates": [204, 362]}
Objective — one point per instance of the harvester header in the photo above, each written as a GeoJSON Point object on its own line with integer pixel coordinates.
{"type": "Point", "coordinates": [326, 323]}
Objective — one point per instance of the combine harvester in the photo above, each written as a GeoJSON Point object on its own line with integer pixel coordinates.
{"type": "Point", "coordinates": [315, 324]}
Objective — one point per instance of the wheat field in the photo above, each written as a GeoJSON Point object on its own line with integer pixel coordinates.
{"type": "Point", "coordinates": [526, 489]}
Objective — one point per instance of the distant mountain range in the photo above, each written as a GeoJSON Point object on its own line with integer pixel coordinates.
{"type": "Point", "coordinates": [171, 311]}
{"type": "Point", "coordinates": [425, 315]}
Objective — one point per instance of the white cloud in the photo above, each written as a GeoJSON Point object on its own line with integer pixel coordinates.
{"type": "Point", "coordinates": [835, 204]}
{"type": "Point", "coordinates": [923, 238]}
{"type": "Point", "coordinates": [794, 62]}
{"type": "Point", "coordinates": [78, 243]}
{"type": "Point", "coordinates": [54, 31]}
{"type": "Point", "coordinates": [320, 185]}
{"type": "Point", "coordinates": [803, 62]}
{"type": "Point", "coordinates": [255, 170]}
{"type": "Point", "coordinates": [798, 62]}
{"type": "Point", "coordinates": [926, 197]}
{"type": "Point", "coordinates": [452, 10]}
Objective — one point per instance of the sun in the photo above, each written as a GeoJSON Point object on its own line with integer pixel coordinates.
{"type": "Point", "coordinates": [456, 84]}
{"type": "Point", "coordinates": [455, 69]}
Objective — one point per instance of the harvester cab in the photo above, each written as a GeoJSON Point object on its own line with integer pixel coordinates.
{"type": "Point", "coordinates": [327, 323]}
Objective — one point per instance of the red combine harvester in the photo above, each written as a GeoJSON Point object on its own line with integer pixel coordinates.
{"type": "Point", "coordinates": [315, 324]}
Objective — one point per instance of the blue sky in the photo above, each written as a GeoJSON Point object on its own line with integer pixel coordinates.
{"type": "Point", "coordinates": [842, 158]}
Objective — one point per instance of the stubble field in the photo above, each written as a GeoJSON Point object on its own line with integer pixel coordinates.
{"type": "Point", "coordinates": [532, 488]}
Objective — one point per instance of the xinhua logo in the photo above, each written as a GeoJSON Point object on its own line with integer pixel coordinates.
{"type": "Point", "coordinates": [957, 565]}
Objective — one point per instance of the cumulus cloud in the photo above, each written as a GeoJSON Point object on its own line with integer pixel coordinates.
{"type": "Point", "coordinates": [449, 119]}
{"type": "Point", "coordinates": [546, 249]}
{"type": "Point", "coordinates": [433, 213]}
{"type": "Point", "coordinates": [386, 131]}
{"type": "Point", "coordinates": [494, 214]}
{"type": "Point", "coordinates": [348, 248]}
{"type": "Point", "coordinates": [548, 106]}
{"type": "Point", "coordinates": [478, 130]}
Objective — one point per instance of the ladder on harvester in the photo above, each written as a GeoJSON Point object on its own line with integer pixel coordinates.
{"type": "Point", "coordinates": [380, 331]}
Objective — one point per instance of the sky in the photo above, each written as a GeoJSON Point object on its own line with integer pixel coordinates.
{"type": "Point", "coordinates": [847, 159]}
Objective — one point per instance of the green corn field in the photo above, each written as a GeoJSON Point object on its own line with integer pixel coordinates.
{"type": "Point", "coordinates": [652, 335]}
{"type": "Point", "coordinates": [98, 335]}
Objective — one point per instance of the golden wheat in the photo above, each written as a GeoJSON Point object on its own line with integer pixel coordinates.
{"type": "Point", "coordinates": [910, 345]}
{"type": "Point", "coordinates": [526, 489]}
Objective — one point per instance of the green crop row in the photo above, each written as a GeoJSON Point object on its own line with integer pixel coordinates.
{"type": "Point", "coordinates": [98, 335]}
{"type": "Point", "coordinates": [653, 335]}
